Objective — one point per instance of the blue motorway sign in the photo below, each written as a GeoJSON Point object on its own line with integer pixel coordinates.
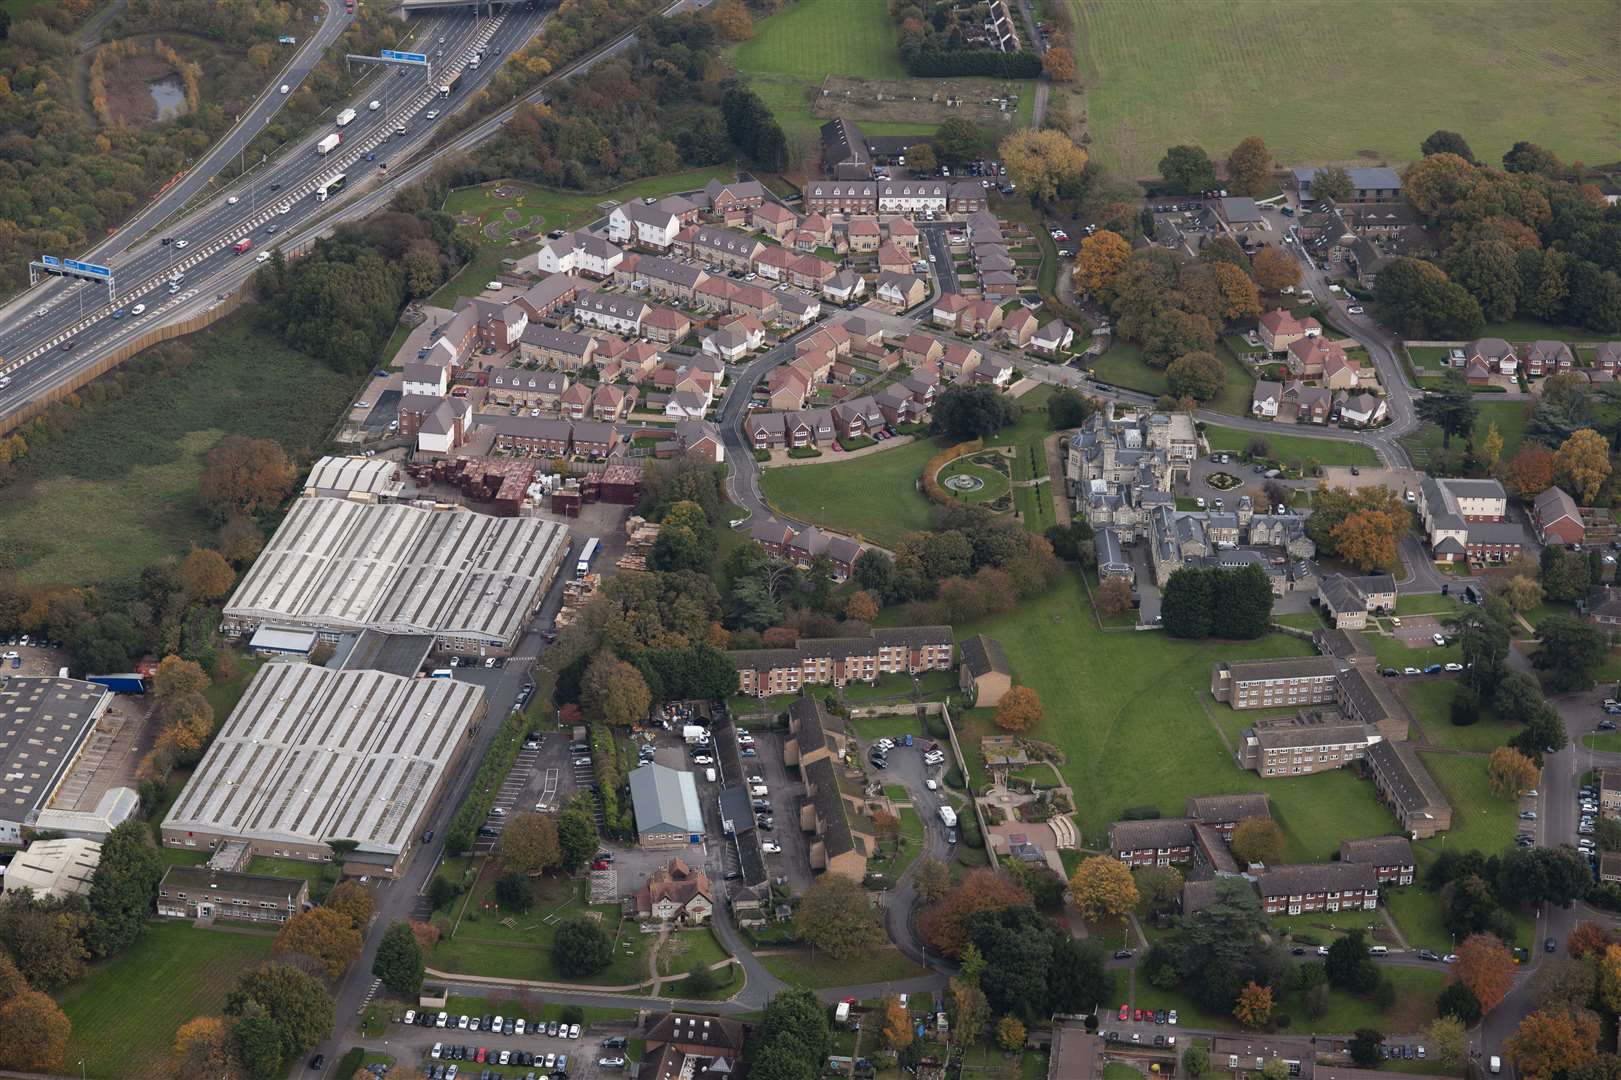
{"type": "Point", "coordinates": [87, 268]}
{"type": "Point", "coordinates": [404, 57]}
{"type": "Point", "coordinates": [50, 260]}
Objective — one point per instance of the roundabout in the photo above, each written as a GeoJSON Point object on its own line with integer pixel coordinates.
{"type": "Point", "coordinates": [1222, 481]}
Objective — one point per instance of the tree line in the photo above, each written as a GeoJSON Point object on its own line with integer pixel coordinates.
{"type": "Point", "coordinates": [932, 37]}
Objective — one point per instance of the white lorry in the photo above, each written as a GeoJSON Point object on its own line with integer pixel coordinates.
{"type": "Point", "coordinates": [328, 144]}
{"type": "Point", "coordinates": [695, 735]}
{"type": "Point", "coordinates": [344, 117]}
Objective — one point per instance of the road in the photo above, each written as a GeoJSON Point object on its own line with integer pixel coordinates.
{"type": "Point", "coordinates": [197, 177]}
{"type": "Point", "coordinates": [265, 206]}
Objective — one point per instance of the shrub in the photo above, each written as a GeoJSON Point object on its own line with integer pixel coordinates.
{"type": "Point", "coordinates": [931, 486]}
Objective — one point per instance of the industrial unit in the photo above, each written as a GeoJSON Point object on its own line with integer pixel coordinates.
{"type": "Point", "coordinates": [335, 566]}
{"type": "Point", "coordinates": [312, 755]}
{"type": "Point", "coordinates": [44, 724]}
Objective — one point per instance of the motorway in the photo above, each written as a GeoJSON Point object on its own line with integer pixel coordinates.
{"type": "Point", "coordinates": [42, 350]}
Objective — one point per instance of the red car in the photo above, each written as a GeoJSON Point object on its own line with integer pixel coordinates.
{"type": "Point", "coordinates": [1140, 1014]}
{"type": "Point", "coordinates": [1125, 1012]}
{"type": "Point", "coordinates": [479, 1057]}
{"type": "Point", "coordinates": [600, 864]}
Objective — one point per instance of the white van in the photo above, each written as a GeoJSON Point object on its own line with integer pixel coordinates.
{"type": "Point", "coordinates": [1377, 950]}
{"type": "Point", "coordinates": [709, 776]}
{"type": "Point", "coordinates": [948, 817]}
{"type": "Point", "coordinates": [759, 791]}
{"type": "Point", "coordinates": [1495, 1065]}
{"type": "Point", "coordinates": [286, 89]}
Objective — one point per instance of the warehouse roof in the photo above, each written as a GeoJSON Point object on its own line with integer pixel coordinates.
{"type": "Point", "coordinates": [311, 754]}
{"type": "Point", "coordinates": [61, 867]}
{"type": "Point", "coordinates": [42, 723]}
{"type": "Point", "coordinates": [342, 565]}
{"type": "Point", "coordinates": [665, 800]}
{"type": "Point", "coordinates": [367, 475]}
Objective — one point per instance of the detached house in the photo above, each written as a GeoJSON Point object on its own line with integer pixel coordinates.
{"type": "Point", "coordinates": [1362, 410]}
{"type": "Point", "coordinates": [863, 234]}
{"type": "Point", "coordinates": [579, 252]}
{"type": "Point", "coordinates": [844, 286]}
{"type": "Point", "coordinates": [652, 225]}
{"type": "Point", "coordinates": [902, 233]}
{"type": "Point", "coordinates": [948, 309]}
{"type": "Point", "coordinates": [1495, 355]}
{"type": "Point", "coordinates": [773, 219]}
{"type": "Point", "coordinates": [676, 892]}
{"type": "Point", "coordinates": [959, 361]}
{"type": "Point", "coordinates": [919, 349]}
{"type": "Point", "coordinates": [1309, 356]}
{"type": "Point", "coordinates": [893, 260]}
{"type": "Point", "coordinates": [1548, 358]}
{"type": "Point", "coordinates": [666, 326]}
{"type": "Point", "coordinates": [901, 290]}
{"type": "Point", "coordinates": [1019, 327]}
{"type": "Point", "coordinates": [1280, 329]}
{"type": "Point", "coordinates": [1557, 518]}
{"type": "Point", "coordinates": [1266, 398]}
{"type": "Point", "coordinates": [1052, 338]}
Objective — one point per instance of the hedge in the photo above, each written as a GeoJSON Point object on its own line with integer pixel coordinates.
{"type": "Point", "coordinates": [931, 469]}
{"type": "Point", "coordinates": [492, 771]}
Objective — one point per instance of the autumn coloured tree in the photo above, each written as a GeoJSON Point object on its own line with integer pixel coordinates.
{"type": "Point", "coordinates": [1103, 888]}
{"type": "Point", "coordinates": [353, 901]}
{"type": "Point", "coordinates": [1530, 471]}
{"type": "Point", "coordinates": [1254, 1006]}
{"type": "Point", "coordinates": [1040, 162]}
{"type": "Point", "coordinates": [176, 676]}
{"type": "Point", "coordinates": [1491, 447]}
{"type": "Point", "coordinates": [930, 880]}
{"type": "Point", "coordinates": [205, 575]}
{"type": "Point", "coordinates": [732, 20]}
{"type": "Point", "coordinates": [202, 1050]}
{"type": "Point", "coordinates": [1099, 261]}
{"type": "Point", "coordinates": [1258, 840]}
{"type": "Point", "coordinates": [945, 925]}
{"type": "Point", "coordinates": [1522, 593]}
{"type": "Point", "coordinates": [529, 843]}
{"type": "Point", "coordinates": [1586, 938]}
{"type": "Point", "coordinates": [1609, 977]}
{"type": "Point", "coordinates": [614, 691]}
{"type": "Point", "coordinates": [1275, 269]}
{"type": "Point", "coordinates": [1548, 1044]}
{"type": "Point", "coordinates": [1059, 64]}
{"type": "Point", "coordinates": [1010, 1034]}
{"type": "Point", "coordinates": [969, 1010]}
{"type": "Point", "coordinates": [1584, 459]}
{"type": "Point", "coordinates": [34, 1034]}
{"type": "Point", "coordinates": [1486, 967]}
{"type": "Point", "coordinates": [861, 607]}
{"type": "Point", "coordinates": [1448, 1039]}
{"type": "Point", "coordinates": [1249, 168]}
{"type": "Point", "coordinates": [898, 1032]}
{"type": "Point", "coordinates": [1114, 597]}
{"type": "Point", "coordinates": [324, 935]}
{"type": "Point", "coordinates": [836, 915]}
{"type": "Point", "coordinates": [1510, 772]}
{"type": "Point", "coordinates": [241, 474]}
{"type": "Point", "coordinates": [1019, 710]}
{"type": "Point", "coordinates": [1367, 539]}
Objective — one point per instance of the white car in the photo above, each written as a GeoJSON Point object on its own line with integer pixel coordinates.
{"type": "Point", "coordinates": [1354, 309]}
{"type": "Point", "coordinates": [138, 309]}
{"type": "Point", "coordinates": [703, 759]}
{"type": "Point", "coordinates": [285, 208]}
{"type": "Point", "coordinates": [263, 256]}
{"type": "Point", "coordinates": [1171, 1019]}
{"type": "Point", "coordinates": [492, 284]}
{"type": "Point", "coordinates": [932, 784]}
{"type": "Point", "coordinates": [433, 114]}
{"type": "Point", "coordinates": [181, 245]}
{"type": "Point", "coordinates": [1450, 958]}
{"type": "Point", "coordinates": [1454, 667]}
{"type": "Point", "coordinates": [574, 1031]}
{"type": "Point", "coordinates": [1438, 639]}
{"type": "Point", "coordinates": [410, 1017]}
{"type": "Point", "coordinates": [1411, 671]}
{"type": "Point", "coordinates": [885, 744]}
{"type": "Point", "coordinates": [517, 1029]}
{"type": "Point", "coordinates": [771, 847]}
{"type": "Point", "coordinates": [232, 201]}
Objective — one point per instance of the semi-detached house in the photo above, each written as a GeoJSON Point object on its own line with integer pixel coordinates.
{"type": "Point", "coordinates": [728, 248]}
{"type": "Point", "coordinates": [613, 312]}
{"type": "Point", "coordinates": [652, 225]}
{"type": "Point", "coordinates": [557, 349]}
{"type": "Point", "coordinates": [579, 252]}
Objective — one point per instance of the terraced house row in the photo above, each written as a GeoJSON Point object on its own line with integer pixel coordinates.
{"type": "Point", "coordinates": [838, 661]}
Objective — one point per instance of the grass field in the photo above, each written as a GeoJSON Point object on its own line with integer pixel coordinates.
{"type": "Point", "coordinates": [1294, 449]}
{"type": "Point", "coordinates": [1126, 710]}
{"type": "Point", "coordinates": [1159, 74]}
{"type": "Point", "coordinates": [118, 491]}
{"type": "Point", "coordinates": [125, 1011]}
{"type": "Point", "coordinates": [811, 970]}
{"type": "Point", "coordinates": [1509, 416]}
{"type": "Point", "coordinates": [1122, 365]}
{"type": "Point", "coordinates": [1480, 820]}
{"type": "Point", "coordinates": [874, 497]}
{"type": "Point", "coordinates": [1431, 703]}
{"type": "Point", "coordinates": [1416, 989]}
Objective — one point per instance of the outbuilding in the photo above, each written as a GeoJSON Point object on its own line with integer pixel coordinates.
{"type": "Point", "coordinates": [984, 671]}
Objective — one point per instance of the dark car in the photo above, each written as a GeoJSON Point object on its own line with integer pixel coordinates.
{"type": "Point", "coordinates": [1297, 951]}
{"type": "Point", "coordinates": [1428, 954]}
{"type": "Point", "coordinates": [1123, 954]}
{"type": "Point", "coordinates": [1550, 945]}
{"type": "Point", "coordinates": [67, 346]}
{"type": "Point", "coordinates": [317, 1061]}
{"type": "Point", "coordinates": [427, 837]}
{"type": "Point", "coordinates": [1390, 673]}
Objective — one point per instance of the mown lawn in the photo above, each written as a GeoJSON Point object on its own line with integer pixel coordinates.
{"type": "Point", "coordinates": [873, 497]}
{"type": "Point", "coordinates": [125, 1011]}
{"type": "Point", "coordinates": [1294, 449]}
{"type": "Point", "coordinates": [1416, 989]}
{"type": "Point", "coordinates": [1480, 819]}
{"type": "Point", "coordinates": [1122, 365]}
{"type": "Point", "coordinates": [811, 970]}
{"type": "Point", "coordinates": [1152, 80]}
{"type": "Point", "coordinates": [1431, 703]}
{"type": "Point", "coordinates": [1127, 711]}
{"type": "Point", "coordinates": [1509, 416]}
{"type": "Point", "coordinates": [118, 491]}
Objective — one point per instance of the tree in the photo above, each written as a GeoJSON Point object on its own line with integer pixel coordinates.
{"type": "Point", "coordinates": [1186, 603]}
{"type": "Point", "coordinates": [1522, 593]}
{"type": "Point", "coordinates": [1103, 888]}
{"type": "Point", "coordinates": [576, 836]}
{"type": "Point", "coordinates": [34, 1034]}
{"type": "Point", "coordinates": [1364, 1048]}
{"type": "Point", "coordinates": [1059, 64]}
{"type": "Point", "coordinates": [1447, 142]}
{"type": "Point", "coordinates": [1114, 597]}
{"type": "Point", "coordinates": [1199, 375]}
{"type": "Point", "coordinates": [123, 888]}
{"type": "Point", "coordinates": [1546, 1045]}
{"type": "Point", "coordinates": [1010, 1034]}
{"type": "Point", "coordinates": [1456, 999]}
{"type": "Point", "coordinates": [958, 141]}
{"type": "Point", "coordinates": [203, 1050]}
{"type": "Point", "coordinates": [732, 20]}
{"type": "Point", "coordinates": [514, 891]}
{"type": "Point", "coordinates": [1452, 409]}
{"type": "Point", "coordinates": [399, 960]}
{"type": "Point", "coordinates": [1570, 650]}
{"type": "Point", "coordinates": [1067, 408]}
{"type": "Point", "coordinates": [1528, 157]}
{"type": "Point", "coordinates": [242, 475]}
{"type": "Point", "coordinates": [1099, 261]}
{"type": "Point", "coordinates": [1348, 965]}
{"type": "Point", "coordinates": [614, 691]}
{"type": "Point", "coordinates": [836, 915]}
{"type": "Point", "coordinates": [897, 1024]}
{"type": "Point", "coordinates": [1486, 967]}
{"type": "Point", "coordinates": [1447, 1039]}
{"type": "Point", "coordinates": [930, 880]}
{"type": "Point", "coordinates": [1195, 1060]}
{"type": "Point", "coordinates": [205, 574]}
{"type": "Point", "coordinates": [325, 936]}
{"type": "Point", "coordinates": [1254, 1006]}
{"type": "Point", "coordinates": [1491, 447]}
{"type": "Point", "coordinates": [1332, 183]}
{"type": "Point", "coordinates": [1249, 168]}
{"type": "Point", "coordinates": [1020, 710]}
{"type": "Point", "coordinates": [945, 925]}
{"type": "Point", "coordinates": [1584, 459]}
{"type": "Point", "coordinates": [1530, 471]}
{"type": "Point", "coordinates": [962, 412]}
{"type": "Point", "coordinates": [1510, 772]}
{"type": "Point", "coordinates": [1258, 840]}
{"type": "Point", "coordinates": [1041, 162]}
{"type": "Point", "coordinates": [1609, 977]}
{"type": "Point", "coordinates": [1564, 982]}
{"type": "Point", "coordinates": [286, 1011]}
{"type": "Point", "coordinates": [1421, 300]}
{"type": "Point", "coordinates": [1186, 170]}
{"type": "Point", "coordinates": [581, 947]}
{"type": "Point", "coordinates": [921, 159]}
{"type": "Point", "coordinates": [1275, 269]}
{"type": "Point", "coordinates": [1367, 539]}
{"type": "Point", "coordinates": [354, 902]}
{"type": "Point", "coordinates": [176, 677]}
{"type": "Point", "coordinates": [529, 843]}
{"type": "Point", "coordinates": [1588, 937]}
{"type": "Point", "coordinates": [794, 1026]}
{"type": "Point", "coordinates": [861, 607]}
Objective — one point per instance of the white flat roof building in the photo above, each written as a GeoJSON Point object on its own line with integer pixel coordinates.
{"type": "Point", "coordinates": [365, 479]}
{"type": "Point", "coordinates": [339, 567]}
{"type": "Point", "coordinates": [55, 867]}
{"type": "Point", "coordinates": [311, 755]}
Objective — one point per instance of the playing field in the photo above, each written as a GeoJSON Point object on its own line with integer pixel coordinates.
{"type": "Point", "coordinates": [125, 1011]}
{"type": "Point", "coordinates": [1348, 82]}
